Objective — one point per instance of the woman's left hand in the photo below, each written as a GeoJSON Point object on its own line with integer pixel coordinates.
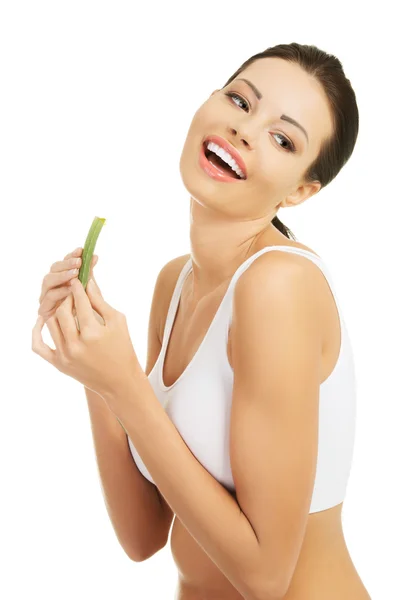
{"type": "Point", "coordinates": [101, 357]}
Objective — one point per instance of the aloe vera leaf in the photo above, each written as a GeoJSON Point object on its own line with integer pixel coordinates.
{"type": "Point", "coordinates": [88, 250]}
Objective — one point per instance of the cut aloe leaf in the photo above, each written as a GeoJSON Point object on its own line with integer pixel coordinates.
{"type": "Point", "coordinates": [88, 250]}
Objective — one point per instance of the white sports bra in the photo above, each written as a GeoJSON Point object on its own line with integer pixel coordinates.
{"type": "Point", "coordinates": [199, 401]}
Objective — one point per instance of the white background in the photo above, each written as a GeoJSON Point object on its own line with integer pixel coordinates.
{"type": "Point", "coordinates": [96, 100]}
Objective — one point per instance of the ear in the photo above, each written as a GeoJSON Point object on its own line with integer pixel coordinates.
{"type": "Point", "coordinates": [302, 193]}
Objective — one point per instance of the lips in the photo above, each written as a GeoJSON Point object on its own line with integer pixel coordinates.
{"type": "Point", "coordinates": [222, 143]}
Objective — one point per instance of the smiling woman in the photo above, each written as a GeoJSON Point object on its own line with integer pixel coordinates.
{"type": "Point", "coordinates": [244, 421]}
{"type": "Point", "coordinates": [254, 364]}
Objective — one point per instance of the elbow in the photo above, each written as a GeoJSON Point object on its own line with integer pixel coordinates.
{"type": "Point", "coordinates": [270, 591]}
{"type": "Point", "coordinates": [146, 554]}
{"type": "Point", "coordinates": [270, 594]}
{"type": "Point", "coordinates": [137, 558]}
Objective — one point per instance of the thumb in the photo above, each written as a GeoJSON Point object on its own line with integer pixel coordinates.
{"type": "Point", "coordinates": [96, 286]}
{"type": "Point", "coordinates": [95, 259]}
{"type": "Point", "coordinates": [93, 289]}
{"type": "Point", "coordinates": [97, 301]}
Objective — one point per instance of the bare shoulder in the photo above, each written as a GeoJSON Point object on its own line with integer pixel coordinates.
{"type": "Point", "coordinates": [289, 262]}
{"type": "Point", "coordinates": [312, 273]}
{"type": "Point", "coordinates": [275, 268]}
{"type": "Point", "coordinates": [170, 271]}
{"type": "Point", "coordinates": [166, 282]}
{"type": "Point", "coordinates": [168, 276]}
{"type": "Point", "coordinates": [296, 244]}
{"type": "Point", "coordinates": [283, 269]}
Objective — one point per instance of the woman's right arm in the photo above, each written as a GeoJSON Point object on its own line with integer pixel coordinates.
{"type": "Point", "coordinates": [140, 516]}
{"type": "Point", "coordinates": [132, 501]}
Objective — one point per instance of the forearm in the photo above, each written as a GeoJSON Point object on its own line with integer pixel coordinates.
{"type": "Point", "coordinates": [132, 502]}
{"type": "Point", "coordinates": [207, 510]}
{"type": "Point", "coordinates": [103, 420]}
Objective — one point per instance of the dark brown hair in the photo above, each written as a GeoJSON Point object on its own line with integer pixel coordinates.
{"type": "Point", "coordinates": [328, 70]}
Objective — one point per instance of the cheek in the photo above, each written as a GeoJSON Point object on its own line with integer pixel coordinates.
{"type": "Point", "coordinates": [200, 126]}
{"type": "Point", "coordinates": [210, 117]}
{"type": "Point", "coordinates": [274, 169]}
{"type": "Point", "coordinates": [202, 115]}
{"type": "Point", "coordinates": [269, 184]}
{"type": "Point", "coordinates": [271, 157]}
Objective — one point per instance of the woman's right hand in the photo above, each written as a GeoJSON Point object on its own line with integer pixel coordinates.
{"type": "Point", "coordinates": [56, 284]}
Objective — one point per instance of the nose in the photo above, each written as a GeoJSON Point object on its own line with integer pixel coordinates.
{"type": "Point", "coordinates": [234, 133]}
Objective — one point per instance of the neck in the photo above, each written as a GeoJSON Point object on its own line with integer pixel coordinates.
{"type": "Point", "coordinates": [219, 245]}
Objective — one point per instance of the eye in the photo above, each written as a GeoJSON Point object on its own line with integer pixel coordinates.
{"type": "Point", "coordinates": [290, 146]}
{"type": "Point", "coordinates": [233, 96]}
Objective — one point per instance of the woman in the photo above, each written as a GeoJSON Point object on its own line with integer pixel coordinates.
{"type": "Point", "coordinates": [253, 363]}
{"type": "Point", "coordinates": [233, 224]}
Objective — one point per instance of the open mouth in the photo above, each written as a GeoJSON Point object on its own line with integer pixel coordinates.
{"type": "Point", "coordinates": [219, 163]}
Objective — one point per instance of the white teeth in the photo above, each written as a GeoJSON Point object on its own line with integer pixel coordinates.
{"type": "Point", "coordinates": [226, 157]}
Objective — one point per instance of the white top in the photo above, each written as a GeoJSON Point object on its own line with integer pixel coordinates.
{"type": "Point", "coordinates": [199, 401]}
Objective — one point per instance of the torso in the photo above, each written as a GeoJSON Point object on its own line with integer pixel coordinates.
{"type": "Point", "coordinates": [324, 569]}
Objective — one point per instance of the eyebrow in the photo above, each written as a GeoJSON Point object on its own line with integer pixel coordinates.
{"type": "Point", "coordinates": [283, 117]}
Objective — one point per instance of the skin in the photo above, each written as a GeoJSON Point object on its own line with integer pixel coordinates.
{"type": "Point", "coordinates": [228, 223]}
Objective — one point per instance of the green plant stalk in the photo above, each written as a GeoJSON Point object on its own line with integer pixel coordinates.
{"type": "Point", "coordinates": [88, 250]}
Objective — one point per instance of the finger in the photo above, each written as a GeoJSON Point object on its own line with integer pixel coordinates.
{"type": "Point", "coordinates": [66, 264]}
{"type": "Point", "coordinates": [54, 280]}
{"type": "Point", "coordinates": [38, 345]}
{"type": "Point", "coordinates": [66, 321]}
{"type": "Point", "coordinates": [95, 258]}
{"type": "Point", "coordinates": [103, 311]}
{"type": "Point", "coordinates": [61, 274]}
{"type": "Point", "coordinates": [84, 310]}
{"type": "Point", "coordinates": [93, 264]}
{"type": "Point", "coordinates": [52, 300]}
{"type": "Point", "coordinates": [73, 259]}
{"type": "Point", "coordinates": [76, 252]}
{"type": "Point", "coordinates": [96, 286]}
{"type": "Point", "coordinates": [56, 333]}
{"type": "Point", "coordinates": [60, 268]}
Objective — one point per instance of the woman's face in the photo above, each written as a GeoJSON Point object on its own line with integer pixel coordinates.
{"type": "Point", "coordinates": [253, 126]}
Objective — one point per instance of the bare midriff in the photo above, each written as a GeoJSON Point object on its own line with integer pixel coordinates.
{"type": "Point", "coordinates": [324, 570]}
